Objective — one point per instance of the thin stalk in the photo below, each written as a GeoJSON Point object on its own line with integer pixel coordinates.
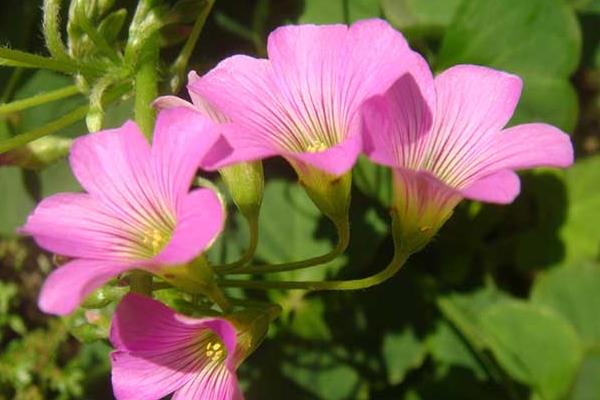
{"type": "Point", "coordinates": [54, 126]}
{"type": "Point", "coordinates": [343, 229]}
{"type": "Point", "coordinates": [179, 65]}
{"type": "Point", "coordinates": [248, 254]}
{"type": "Point", "coordinates": [352, 284]}
{"type": "Point", "coordinates": [11, 85]}
{"type": "Point", "coordinates": [140, 282]}
{"type": "Point", "coordinates": [28, 60]}
{"type": "Point", "coordinates": [38, 99]}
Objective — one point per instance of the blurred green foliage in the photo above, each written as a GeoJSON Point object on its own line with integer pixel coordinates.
{"type": "Point", "coordinates": [504, 304]}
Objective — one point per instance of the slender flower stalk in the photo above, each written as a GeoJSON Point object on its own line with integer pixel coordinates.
{"type": "Point", "coordinates": [445, 140]}
{"type": "Point", "coordinates": [138, 212]}
{"type": "Point", "coordinates": [158, 352]}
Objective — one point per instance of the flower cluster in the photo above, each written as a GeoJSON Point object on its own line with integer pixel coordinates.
{"type": "Point", "coordinates": [325, 95]}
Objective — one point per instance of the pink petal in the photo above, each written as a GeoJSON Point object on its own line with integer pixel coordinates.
{"type": "Point", "coordinates": [135, 378]}
{"type": "Point", "coordinates": [308, 94]}
{"type": "Point", "coordinates": [242, 88]}
{"type": "Point", "coordinates": [523, 146]}
{"type": "Point", "coordinates": [202, 104]}
{"type": "Point", "coordinates": [531, 145]}
{"type": "Point", "coordinates": [182, 138]}
{"type": "Point", "coordinates": [237, 144]}
{"type": "Point", "coordinates": [155, 348]}
{"type": "Point", "coordinates": [501, 187]}
{"type": "Point", "coordinates": [197, 104]}
{"type": "Point", "coordinates": [66, 287]}
{"type": "Point", "coordinates": [335, 160]}
{"type": "Point", "coordinates": [114, 166]}
{"type": "Point", "coordinates": [396, 124]}
{"type": "Point", "coordinates": [473, 105]}
{"type": "Point", "coordinates": [200, 219]}
{"type": "Point", "coordinates": [141, 324]}
{"type": "Point", "coordinates": [167, 102]}
{"type": "Point", "coordinates": [222, 384]}
{"type": "Point", "coordinates": [77, 225]}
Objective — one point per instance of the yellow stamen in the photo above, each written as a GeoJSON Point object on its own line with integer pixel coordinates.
{"type": "Point", "coordinates": [316, 146]}
{"type": "Point", "coordinates": [215, 351]}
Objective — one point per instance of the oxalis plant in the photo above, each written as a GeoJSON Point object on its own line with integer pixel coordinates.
{"type": "Point", "coordinates": [323, 96]}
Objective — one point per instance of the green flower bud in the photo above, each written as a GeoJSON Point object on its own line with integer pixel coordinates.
{"type": "Point", "coordinates": [245, 182]}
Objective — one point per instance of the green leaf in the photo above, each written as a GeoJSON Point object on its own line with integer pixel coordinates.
{"type": "Point", "coordinates": [15, 202]}
{"type": "Point", "coordinates": [574, 292]}
{"type": "Point", "coordinates": [323, 374]}
{"type": "Point", "coordinates": [534, 345]}
{"type": "Point", "coordinates": [291, 230]}
{"type": "Point", "coordinates": [448, 349]}
{"type": "Point", "coordinates": [587, 385]}
{"type": "Point", "coordinates": [420, 16]}
{"type": "Point", "coordinates": [373, 180]}
{"type": "Point", "coordinates": [336, 11]}
{"type": "Point", "coordinates": [402, 351]}
{"type": "Point", "coordinates": [586, 6]}
{"type": "Point", "coordinates": [539, 40]}
{"type": "Point", "coordinates": [581, 230]}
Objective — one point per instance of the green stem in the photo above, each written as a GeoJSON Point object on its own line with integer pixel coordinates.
{"type": "Point", "coordinates": [248, 254]}
{"type": "Point", "coordinates": [343, 229]}
{"type": "Point", "coordinates": [38, 99]}
{"type": "Point", "coordinates": [54, 126]}
{"type": "Point", "coordinates": [11, 85]}
{"type": "Point", "coordinates": [179, 65]}
{"type": "Point", "coordinates": [140, 282]}
{"type": "Point", "coordinates": [352, 284]}
{"type": "Point", "coordinates": [23, 59]}
{"type": "Point", "coordinates": [146, 86]}
{"type": "Point", "coordinates": [51, 26]}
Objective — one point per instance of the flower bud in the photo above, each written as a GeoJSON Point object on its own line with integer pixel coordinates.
{"type": "Point", "coordinates": [245, 182]}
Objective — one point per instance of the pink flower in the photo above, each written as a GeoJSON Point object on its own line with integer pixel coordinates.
{"type": "Point", "coordinates": [446, 140]}
{"type": "Point", "coordinates": [303, 101]}
{"type": "Point", "coordinates": [159, 352]}
{"type": "Point", "coordinates": [138, 211]}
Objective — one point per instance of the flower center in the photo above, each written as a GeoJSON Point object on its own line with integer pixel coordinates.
{"type": "Point", "coordinates": [154, 241]}
{"type": "Point", "coordinates": [215, 351]}
{"type": "Point", "coordinates": [316, 145]}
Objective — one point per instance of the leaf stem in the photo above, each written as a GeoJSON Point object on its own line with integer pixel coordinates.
{"type": "Point", "coordinates": [27, 60]}
{"type": "Point", "coordinates": [51, 127]}
{"type": "Point", "coordinates": [38, 99]}
{"type": "Point", "coordinates": [181, 62]}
